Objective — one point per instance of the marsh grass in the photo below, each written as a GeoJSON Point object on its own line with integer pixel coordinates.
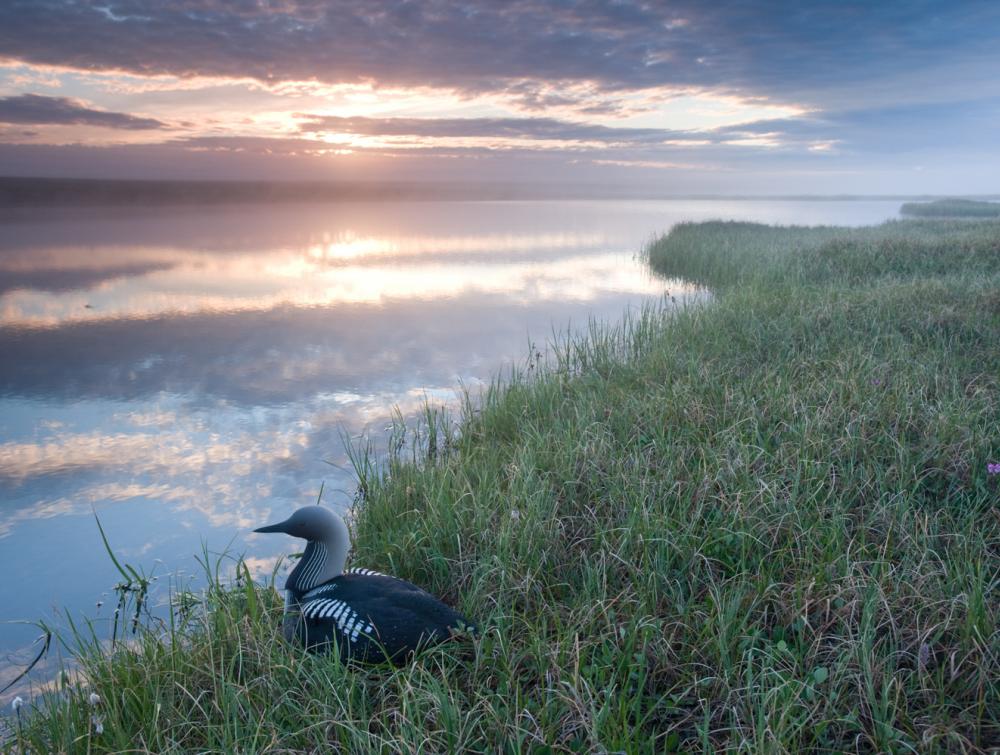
{"type": "Point", "coordinates": [761, 525]}
{"type": "Point", "coordinates": [952, 208]}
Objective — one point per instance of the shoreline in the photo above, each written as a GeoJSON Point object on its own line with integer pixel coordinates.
{"type": "Point", "coordinates": [27, 192]}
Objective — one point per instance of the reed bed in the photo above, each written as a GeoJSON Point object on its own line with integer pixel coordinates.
{"type": "Point", "coordinates": [952, 208]}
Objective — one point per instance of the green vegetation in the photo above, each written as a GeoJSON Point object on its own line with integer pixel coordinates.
{"type": "Point", "coordinates": [764, 524]}
{"type": "Point", "coordinates": [952, 208]}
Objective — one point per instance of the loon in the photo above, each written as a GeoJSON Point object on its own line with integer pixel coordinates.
{"type": "Point", "coordinates": [364, 615]}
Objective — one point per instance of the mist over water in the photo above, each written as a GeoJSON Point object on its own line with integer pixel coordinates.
{"type": "Point", "coordinates": [189, 373]}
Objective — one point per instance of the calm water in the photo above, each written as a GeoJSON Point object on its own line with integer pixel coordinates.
{"type": "Point", "coordinates": [187, 373]}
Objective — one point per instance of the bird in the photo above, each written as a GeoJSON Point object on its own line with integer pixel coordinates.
{"type": "Point", "coordinates": [364, 615]}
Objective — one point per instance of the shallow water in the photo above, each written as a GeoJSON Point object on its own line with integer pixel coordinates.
{"type": "Point", "coordinates": [188, 373]}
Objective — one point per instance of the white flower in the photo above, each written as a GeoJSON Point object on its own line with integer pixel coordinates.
{"type": "Point", "coordinates": [16, 703]}
{"type": "Point", "coordinates": [98, 724]}
{"type": "Point", "coordinates": [94, 698]}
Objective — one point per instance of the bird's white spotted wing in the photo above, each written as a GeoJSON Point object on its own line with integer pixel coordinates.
{"type": "Point", "coordinates": [368, 573]}
{"type": "Point", "coordinates": [350, 625]}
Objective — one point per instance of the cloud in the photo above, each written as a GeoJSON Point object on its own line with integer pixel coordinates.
{"type": "Point", "coordinates": [885, 130]}
{"type": "Point", "coordinates": [40, 110]}
{"type": "Point", "coordinates": [768, 49]}
{"type": "Point", "coordinates": [542, 129]}
{"type": "Point", "coordinates": [337, 90]}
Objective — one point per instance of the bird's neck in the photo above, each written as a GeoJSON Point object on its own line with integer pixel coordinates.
{"type": "Point", "coordinates": [322, 561]}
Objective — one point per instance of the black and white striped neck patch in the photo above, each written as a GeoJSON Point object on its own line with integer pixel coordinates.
{"type": "Point", "coordinates": [309, 571]}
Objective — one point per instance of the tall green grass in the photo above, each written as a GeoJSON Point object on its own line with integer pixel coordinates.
{"type": "Point", "coordinates": [760, 525]}
{"type": "Point", "coordinates": [952, 208]}
{"type": "Point", "coordinates": [722, 253]}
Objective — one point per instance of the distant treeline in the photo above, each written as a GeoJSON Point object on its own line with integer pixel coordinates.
{"type": "Point", "coordinates": [24, 192]}
{"type": "Point", "coordinates": [68, 192]}
{"type": "Point", "coordinates": [952, 208]}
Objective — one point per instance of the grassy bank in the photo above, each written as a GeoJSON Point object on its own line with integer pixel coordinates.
{"type": "Point", "coordinates": [952, 208]}
{"type": "Point", "coordinates": [765, 524]}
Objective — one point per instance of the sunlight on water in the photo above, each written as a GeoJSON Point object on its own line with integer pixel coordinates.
{"type": "Point", "coordinates": [190, 374]}
{"type": "Point", "coordinates": [299, 279]}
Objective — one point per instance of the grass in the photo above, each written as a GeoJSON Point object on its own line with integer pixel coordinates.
{"type": "Point", "coordinates": [760, 525]}
{"type": "Point", "coordinates": [952, 208]}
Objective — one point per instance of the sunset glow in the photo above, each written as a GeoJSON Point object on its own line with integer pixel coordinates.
{"type": "Point", "coordinates": [665, 96]}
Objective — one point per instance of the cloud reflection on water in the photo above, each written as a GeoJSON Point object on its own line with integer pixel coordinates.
{"type": "Point", "coordinates": [285, 353]}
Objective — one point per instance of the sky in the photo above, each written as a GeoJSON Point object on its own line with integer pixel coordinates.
{"type": "Point", "coordinates": [668, 97]}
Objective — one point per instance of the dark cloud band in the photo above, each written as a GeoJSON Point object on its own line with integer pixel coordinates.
{"type": "Point", "coordinates": [38, 110]}
{"type": "Point", "coordinates": [777, 49]}
{"type": "Point", "coordinates": [543, 129]}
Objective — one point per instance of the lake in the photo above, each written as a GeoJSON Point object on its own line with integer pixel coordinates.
{"type": "Point", "coordinates": [191, 373]}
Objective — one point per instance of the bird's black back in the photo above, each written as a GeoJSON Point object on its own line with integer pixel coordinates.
{"type": "Point", "coordinates": [370, 617]}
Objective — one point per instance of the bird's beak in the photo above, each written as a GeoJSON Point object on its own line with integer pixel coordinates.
{"type": "Point", "coordinates": [279, 527]}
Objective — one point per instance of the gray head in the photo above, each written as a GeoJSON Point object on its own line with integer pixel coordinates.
{"type": "Point", "coordinates": [326, 553]}
{"type": "Point", "coordinates": [311, 523]}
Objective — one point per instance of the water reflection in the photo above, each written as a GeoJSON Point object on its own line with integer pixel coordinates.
{"type": "Point", "coordinates": [187, 374]}
{"type": "Point", "coordinates": [299, 279]}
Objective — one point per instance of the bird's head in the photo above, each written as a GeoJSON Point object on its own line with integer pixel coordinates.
{"type": "Point", "coordinates": [326, 553]}
{"type": "Point", "coordinates": [313, 523]}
